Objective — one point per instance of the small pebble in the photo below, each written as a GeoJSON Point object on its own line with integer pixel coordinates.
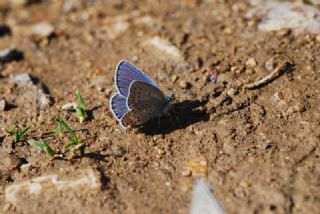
{"type": "Point", "coordinates": [71, 5]}
{"type": "Point", "coordinates": [2, 105]}
{"type": "Point", "coordinates": [318, 38]}
{"type": "Point", "coordinates": [135, 59]}
{"type": "Point", "coordinates": [294, 109]}
{"type": "Point", "coordinates": [174, 78]}
{"type": "Point", "coordinates": [245, 184]}
{"type": "Point", "coordinates": [88, 64]}
{"type": "Point", "coordinates": [279, 99]}
{"type": "Point", "coordinates": [43, 29]}
{"type": "Point", "coordinates": [186, 173]}
{"type": "Point", "coordinates": [88, 38]}
{"type": "Point", "coordinates": [184, 85]}
{"type": "Point", "coordinates": [231, 92]}
{"type": "Point", "coordinates": [251, 23]}
{"type": "Point", "coordinates": [108, 92]}
{"type": "Point", "coordinates": [251, 62]}
{"type": "Point", "coordinates": [156, 164]}
{"type": "Point", "coordinates": [233, 68]}
{"type": "Point", "coordinates": [25, 168]}
{"type": "Point", "coordinates": [161, 152]}
{"type": "Point", "coordinates": [269, 65]}
{"type": "Point", "coordinates": [21, 79]}
{"type": "Point", "coordinates": [228, 30]}
{"type": "Point", "coordinates": [69, 107]}
{"type": "Point", "coordinates": [198, 166]}
{"type": "Point", "coordinates": [239, 192]}
{"type": "Point", "coordinates": [284, 32]}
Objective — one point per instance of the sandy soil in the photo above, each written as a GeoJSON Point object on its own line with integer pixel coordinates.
{"type": "Point", "coordinates": [260, 146]}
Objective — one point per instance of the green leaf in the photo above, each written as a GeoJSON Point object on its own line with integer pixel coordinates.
{"type": "Point", "coordinates": [70, 131]}
{"type": "Point", "coordinates": [81, 108]}
{"type": "Point", "coordinates": [59, 128]}
{"type": "Point", "coordinates": [81, 101]}
{"type": "Point", "coordinates": [81, 113]}
{"type": "Point", "coordinates": [19, 134]}
{"type": "Point", "coordinates": [42, 146]}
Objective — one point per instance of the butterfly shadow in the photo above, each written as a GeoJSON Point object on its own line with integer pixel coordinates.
{"type": "Point", "coordinates": [181, 116]}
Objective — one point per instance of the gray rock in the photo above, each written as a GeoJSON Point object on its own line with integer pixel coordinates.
{"type": "Point", "coordinates": [277, 15]}
{"type": "Point", "coordinates": [67, 186]}
{"type": "Point", "coordinates": [21, 79]}
{"type": "Point", "coordinates": [35, 89]}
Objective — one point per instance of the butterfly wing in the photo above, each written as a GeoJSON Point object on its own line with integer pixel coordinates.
{"type": "Point", "coordinates": [145, 102]}
{"type": "Point", "coordinates": [118, 105]}
{"type": "Point", "coordinates": [143, 95]}
{"type": "Point", "coordinates": [203, 200]}
{"type": "Point", "coordinates": [126, 74]}
{"type": "Point", "coordinates": [134, 118]}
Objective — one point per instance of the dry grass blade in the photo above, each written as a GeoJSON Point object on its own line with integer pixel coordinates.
{"type": "Point", "coordinates": [283, 67]}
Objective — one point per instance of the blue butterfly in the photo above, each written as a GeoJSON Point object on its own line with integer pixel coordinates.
{"type": "Point", "coordinates": [138, 98]}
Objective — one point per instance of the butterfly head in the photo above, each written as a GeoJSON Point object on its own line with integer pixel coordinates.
{"type": "Point", "coordinates": [171, 98]}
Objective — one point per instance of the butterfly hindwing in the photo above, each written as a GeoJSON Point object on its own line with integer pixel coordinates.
{"type": "Point", "coordinates": [134, 118]}
{"type": "Point", "coordinates": [118, 105]}
{"type": "Point", "coordinates": [126, 74]}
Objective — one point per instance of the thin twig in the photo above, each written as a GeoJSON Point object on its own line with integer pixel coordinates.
{"type": "Point", "coordinates": [283, 67]}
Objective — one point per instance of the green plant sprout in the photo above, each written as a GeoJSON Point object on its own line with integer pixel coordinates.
{"type": "Point", "coordinates": [61, 125]}
{"type": "Point", "coordinates": [81, 108]}
{"type": "Point", "coordinates": [17, 132]}
{"type": "Point", "coordinates": [42, 146]}
{"type": "Point", "coordinates": [11, 132]}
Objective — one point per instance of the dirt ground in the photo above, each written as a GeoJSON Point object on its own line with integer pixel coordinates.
{"type": "Point", "coordinates": [260, 146]}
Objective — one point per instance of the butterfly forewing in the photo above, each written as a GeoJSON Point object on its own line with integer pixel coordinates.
{"type": "Point", "coordinates": [143, 95]}
{"type": "Point", "coordinates": [126, 74]}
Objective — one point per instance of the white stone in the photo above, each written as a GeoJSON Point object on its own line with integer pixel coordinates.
{"type": "Point", "coordinates": [163, 49]}
{"type": "Point", "coordinates": [279, 15]}
{"type": "Point", "coordinates": [37, 185]}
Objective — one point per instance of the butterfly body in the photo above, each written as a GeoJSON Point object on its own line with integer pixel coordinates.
{"type": "Point", "coordinates": [139, 98]}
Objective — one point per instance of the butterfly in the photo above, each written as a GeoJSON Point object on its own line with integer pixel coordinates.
{"type": "Point", "coordinates": [138, 98]}
{"type": "Point", "coordinates": [203, 201]}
